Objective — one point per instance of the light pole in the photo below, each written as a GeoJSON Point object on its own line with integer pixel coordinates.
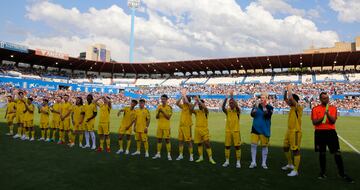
{"type": "Point", "coordinates": [133, 5]}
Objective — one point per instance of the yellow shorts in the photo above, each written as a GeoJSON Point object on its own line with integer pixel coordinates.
{"type": "Point", "coordinates": [55, 124]}
{"type": "Point", "coordinates": [122, 131]}
{"type": "Point", "coordinates": [255, 138]}
{"type": "Point", "coordinates": [232, 137]}
{"type": "Point", "coordinates": [10, 117]}
{"type": "Point", "coordinates": [163, 133]}
{"type": "Point", "coordinates": [293, 140]}
{"type": "Point", "coordinates": [201, 135]}
{"type": "Point", "coordinates": [141, 136]}
{"type": "Point", "coordinates": [44, 125]}
{"type": "Point", "coordinates": [78, 127]}
{"type": "Point", "coordinates": [103, 129]}
{"type": "Point", "coordinates": [65, 125]}
{"type": "Point", "coordinates": [184, 134]}
{"type": "Point", "coordinates": [89, 126]}
{"type": "Point", "coordinates": [28, 124]}
{"type": "Point", "coordinates": [20, 118]}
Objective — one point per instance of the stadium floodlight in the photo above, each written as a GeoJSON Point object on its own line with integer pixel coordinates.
{"type": "Point", "coordinates": [133, 5]}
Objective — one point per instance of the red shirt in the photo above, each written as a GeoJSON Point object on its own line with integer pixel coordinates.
{"type": "Point", "coordinates": [318, 112]}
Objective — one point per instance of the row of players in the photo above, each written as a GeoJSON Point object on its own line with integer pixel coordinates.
{"type": "Point", "coordinates": [82, 117]}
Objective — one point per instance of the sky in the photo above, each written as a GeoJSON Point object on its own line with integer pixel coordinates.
{"type": "Point", "coordinates": [172, 30]}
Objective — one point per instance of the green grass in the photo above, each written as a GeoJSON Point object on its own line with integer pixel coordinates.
{"type": "Point", "coordinates": [40, 165]}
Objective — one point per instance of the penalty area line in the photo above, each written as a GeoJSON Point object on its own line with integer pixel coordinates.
{"type": "Point", "coordinates": [350, 145]}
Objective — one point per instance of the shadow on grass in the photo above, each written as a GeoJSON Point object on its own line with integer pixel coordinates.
{"type": "Point", "coordinates": [40, 165]}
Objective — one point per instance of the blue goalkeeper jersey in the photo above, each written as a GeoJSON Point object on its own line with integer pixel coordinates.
{"type": "Point", "coordinates": [262, 120]}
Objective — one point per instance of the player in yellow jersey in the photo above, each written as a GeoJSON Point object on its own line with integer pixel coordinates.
{"type": "Point", "coordinates": [293, 135]}
{"type": "Point", "coordinates": [126, 126]}
{"type": "Point", "coordinates": [77, 117]}
{"type": "Point", "coordinates": [90, 115]}
{"type": "Point", "coordinates": [104, 122]}
{"type": "Point", "coordinates": [201, 129]}
{"type": "Point", "coordinates": [65, 124]}
{"type": "Point", "coordinates": [29, 119]}
{"type": "Point", "coordinates": [232, 130]}
{"type": "Point", "coordinates": [55, 120]}
{"type": "Point", "coordinates": [10, 114]}
{"type": "Point", "coordinates": [163, 115]}
{"type": "Point", "coordinates": [141, 128]}
{"type": "Point", "coordinates": [44, 111]}
{"type": "Point", "coordinates": [20, 108]}
{"type": "Point", "coordinates": [185, 125]}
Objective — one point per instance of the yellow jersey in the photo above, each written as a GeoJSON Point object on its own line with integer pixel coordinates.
{"type": "Point", "coordinates": [56, 116]}
{"type": "Point", "coordinates": [185, 115]}
{"type": "Point", "coordinates": [128, 117]}
{"type": "Point", "coordinates": [11, 108]}
{"type": "Point", "coordinates": [163, 122]}
{"type": "Point", "coordinates": [104, 113]}
{"type": "Point", "coordinates": [28, 115]}
{"type": "Point", "coordinates": [142, 115]}
{"type": "Point", "coordinates": [89, 110]}
{"type": "Point", "coordinates": [78, 113]}
{"type": "Point", "coordinates": [201, 119]}
{"type": "Point", "coordinates": [20, 106]}
{"type": "Point", "coordinates": [66, 109]}
{"type": "Point", "coordinates": [232, 120]}
{"type": "Point", "coordinates": [294, 118]}
{"type": "Point", "coordinates": [44, 118]}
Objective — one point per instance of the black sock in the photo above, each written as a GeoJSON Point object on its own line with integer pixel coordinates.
{"type": "Point", "coordinates": [322, 159]}
{"type": "Point", "coordinates": [339, 164]}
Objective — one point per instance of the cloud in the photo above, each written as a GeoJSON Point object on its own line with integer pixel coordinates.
{"type": "Point", "coordinates": [348, 10]}
{"type": "Point", "coordinates": [177, 30]}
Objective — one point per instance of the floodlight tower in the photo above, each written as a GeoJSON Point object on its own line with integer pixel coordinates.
{"type": "Point", "coordinates": [133, 5]}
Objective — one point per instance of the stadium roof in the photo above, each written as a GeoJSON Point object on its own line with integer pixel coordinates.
{"type": "Point", "coordinates": [238, 63]}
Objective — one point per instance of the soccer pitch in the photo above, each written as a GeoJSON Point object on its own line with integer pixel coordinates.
{"type": "Point", "coordinates": [40, 165]}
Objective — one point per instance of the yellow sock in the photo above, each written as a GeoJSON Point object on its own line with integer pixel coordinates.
{"type": "Point", "coordinates": [107, 142]}
{"type": "Point", "coordinates": [61, 135]}
{"type": "Point", "coordinates": [43, 133]}
{"type": "Point", "coordinates": [200, 150]}
{"type": "Point", "coordinates": [102, 143]}
{"type": "Point", "coordinates": [227, 154]}
{"type": "Point", "coordinates": [146, 146]}
{"type": "Point", "coordinates": [191, 150]}
{"type": "Point", "coordinates": [168, 148]}
{"type": "Point", "coordinates": [54, 134]}
{"type": "Point", "coordinates": [238, 154]}
{"type": "Point", "coordinates": [121, 144]}
{"type": "Point", "coordinates": [11, 128]}
{"type": "Point", "coordinates": [128, 143]}
{"type": "Point", "coordinates": [138, 146]}
{"type": "Point", "coordinates": [159, 145]}
{"type": "Point", "coordinates": [288, 157]}
{"type": "Point", "coordinates": [296, 162]}
{"type": "Point", "coordinates": [209, 152]}
{"type": "Point", "coordinates": [33, 133]}
{"type": "Point", "coordinates": [48, 133]}
{"type": "Point", "coordinates": [181, 149]}
{"type": "Point", "coordinates": [72, 137]}
{"type": "Point", "coordinates": [19, 131]}
{"type": "Point", "coordinates": [81, 137]}
{"type": "Point", "coordinates": [27, 133]}
{"type": "Point", "coordinates": [24, 131]}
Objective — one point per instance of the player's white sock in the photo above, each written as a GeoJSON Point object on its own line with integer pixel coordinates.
{"type": "Point", "coordinates": [93, 138]}
{"type": "Point", "coordinates": [264, 151]}
{"type": "Point", "coordinates": [87, 138]}
{"type": "Point", "coordinates": [253, 153]}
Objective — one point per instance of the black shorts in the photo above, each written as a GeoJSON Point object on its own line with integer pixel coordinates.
{"type": "Point", "coordinates": [327, 138]}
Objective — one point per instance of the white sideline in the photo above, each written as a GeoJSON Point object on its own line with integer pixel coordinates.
{"type": "Point", "coordinates": [351, 146]}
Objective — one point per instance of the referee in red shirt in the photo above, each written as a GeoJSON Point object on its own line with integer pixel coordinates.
{"type": "Point", "coordinates": [323, 118]}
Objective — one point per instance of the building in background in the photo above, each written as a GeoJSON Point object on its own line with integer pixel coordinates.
{"type": "Point", "coordinates": [97, 52]}
{"type": "Point", "coordinates": [339, 47]}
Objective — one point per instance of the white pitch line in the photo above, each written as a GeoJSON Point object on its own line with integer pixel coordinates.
{"type": "Point", "coordinates": [351, 146]}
